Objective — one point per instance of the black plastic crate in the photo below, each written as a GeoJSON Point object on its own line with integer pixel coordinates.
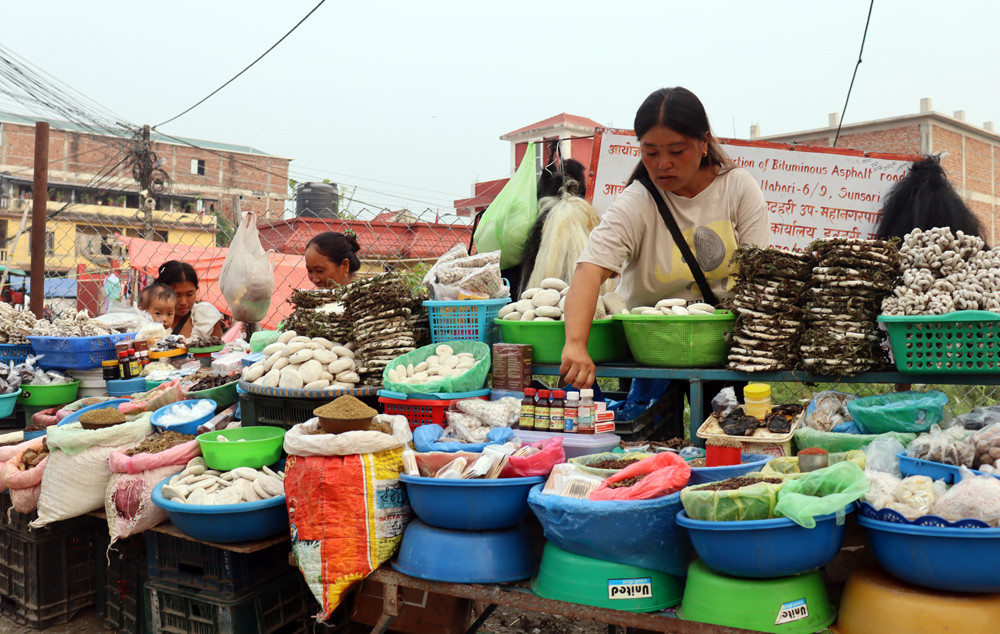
{"type": "Point", "coordinates": [121, 578]}
{"type": "Point", "coordinates": [18, 523]}
{"type": "Point", "coordinates": [49, 575]}
{"type": "Point", "coordinates": [192, 564]}
{"type": "Point", "coordinates": [256, 410]}
{"type": "Point", "coordinates": [281, 606]}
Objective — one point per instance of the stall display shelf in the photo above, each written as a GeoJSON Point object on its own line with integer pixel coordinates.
{"type": "Point", "coordinates": [698, 376]}
{"type": "Point", "coordinates": [282, 605]}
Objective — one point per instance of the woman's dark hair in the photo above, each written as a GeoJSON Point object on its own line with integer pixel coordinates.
{"type": "Point", "coordinates": [924, 199]}
{"type": "Point", "coordinates": [175, 272]}
{"type": "Point", "coordinates": [680, 110]}
{"type": "Point", "coordinates": [338, 247]}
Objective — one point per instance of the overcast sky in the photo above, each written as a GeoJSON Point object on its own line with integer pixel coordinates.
{"type": "Point", "coordinates": [406, 100]}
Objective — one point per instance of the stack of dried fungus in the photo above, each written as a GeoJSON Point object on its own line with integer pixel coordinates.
{"type": "Point", "coordinates": [769, 321]}
{"type": "Point", "coordinates": [849, 282]}
{"type": "Point", "coordinates": [383, 316]}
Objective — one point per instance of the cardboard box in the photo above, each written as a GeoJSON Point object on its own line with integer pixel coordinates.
{"type": "Point", "coordinates": [420, 612]}
{"type": "Point", "coordinates": [512, 366]}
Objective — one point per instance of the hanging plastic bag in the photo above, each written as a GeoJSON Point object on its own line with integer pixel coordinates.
{"type": "Point", "coordinates": [247, 278]}
{"type": "Point", "coordinates": [508, 220]}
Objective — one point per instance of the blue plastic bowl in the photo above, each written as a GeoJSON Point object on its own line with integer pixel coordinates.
{"type": "Point", "coordinates": [7, 403]}
{"type": "Point", "coordinates": [764, 549]}
{"type": "Point", "coordinates": [30, 435]}
{"type": "Point", "coordinates": [190, 427]}
{"type": "Point", "coordinates": [749, 462]}
{"type": "Point", "coordinates": [125, 387]}
{"type": "Point", "coordinates": [438, 554]}
{"type": "Point", "coordinates": [226, 523]}
{"type": "Point", "coordinates": [72, 418]}
{"type": "Point", "coordinates": [951, 559]}
{"type": "Point", "coordinates": [642, 533]}
{"type": "Point", "coordinates": [470, 505]}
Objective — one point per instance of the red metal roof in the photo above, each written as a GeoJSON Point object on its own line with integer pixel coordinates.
{"type": "Point", "coordinates": [559, 119]}
{"type": "Point", "coordinates": [379, 240]}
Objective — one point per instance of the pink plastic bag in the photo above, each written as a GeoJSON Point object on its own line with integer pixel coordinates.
{"type": "Point", "coordinates": [25, 486]}
{"type": "Point", "coordinates": [540, 464]}
{"type": "Point", "coordinates": [129, 503]}
{"type": "Point", "coordinates": [176, 455]}
{"type": "Point", "coordinates": [665, 473]}
{"type": "Point", "coordinates": [8, 452]}
{"type": "Point", "coordinates": [162, 394]}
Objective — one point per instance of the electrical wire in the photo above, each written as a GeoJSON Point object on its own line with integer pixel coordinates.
{"type": "Point", "coordinates": [864, 37]}
{"type": "Point", "coordinates": [249, 66]}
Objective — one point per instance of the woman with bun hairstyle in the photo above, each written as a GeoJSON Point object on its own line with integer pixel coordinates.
{"type": "Point", "coordinates": [182, 277]}
{"type": "Point", "coordinates": [332, 259]}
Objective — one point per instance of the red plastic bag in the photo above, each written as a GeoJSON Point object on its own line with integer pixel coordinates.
{"type": "Point", "coordinates": [540, 464]}
{"type": "Point", "coordinates": [665, 473]}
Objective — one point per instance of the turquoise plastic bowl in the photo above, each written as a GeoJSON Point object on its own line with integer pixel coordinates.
{"type": "Point", "coordinates": [8, 402]}
{"type": "Point", "coordinates": [190, 427]}
{"type": "Point", "coordinates": [226, 523]}
{"type": "Point", "coordinates": [764, 549]}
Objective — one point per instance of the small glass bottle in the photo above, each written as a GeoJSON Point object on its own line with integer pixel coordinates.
{"type": "Point", "coordinates": [757, 400]}
{"type": "Point", "coordinates": [586, 412]}
{"type": "Point", "coordinates": [571, 412]}
{"type": "Point", "coordinates": [527, 419]}
{"type": "Point", "coordinates": [542, 411]}
{"type": "Point", "coordinates": [142, 352]}
{"type": "Point", "coordinates": [557, 411]}
{"type": "Point", "coordinates": [110, 370]}
{"type": "Point", "coordinates": [124, 367]}
{"type": "Point", "coordinates": [133, 362]}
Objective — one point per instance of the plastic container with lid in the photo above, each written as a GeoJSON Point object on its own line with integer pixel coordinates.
{"type": "Point", "coordinates": [757, 400]}
{"type": "Point", "coordinates": [110, 370]}
{"type": "Point", "coordinates": [575, 445]}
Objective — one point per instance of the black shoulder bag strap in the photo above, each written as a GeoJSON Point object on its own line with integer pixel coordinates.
{"type": "Point", "coordinates": [675, 231]}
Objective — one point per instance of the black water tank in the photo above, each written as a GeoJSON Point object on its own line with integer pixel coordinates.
{"type": "Point", "coordinates": [317, 200]}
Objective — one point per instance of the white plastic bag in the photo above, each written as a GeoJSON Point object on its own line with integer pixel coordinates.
{"type": "Point", "coordinates": [247, 278]}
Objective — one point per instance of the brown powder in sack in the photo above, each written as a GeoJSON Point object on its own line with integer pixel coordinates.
{"type": "Point", "coordinates": [345, 408]}
{"type": "Point", "coordinates": [159, 442]}
{"type": "Point", "coordinates": [103, 416]}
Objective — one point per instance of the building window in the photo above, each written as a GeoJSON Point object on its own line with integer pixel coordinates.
{"type": "Point", "coordinates": [50, 243]}
{"type": "Point", "coordinates": [198, 167]}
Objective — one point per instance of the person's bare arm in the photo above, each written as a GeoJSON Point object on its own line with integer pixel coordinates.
{"type": "Point", "coordinates": [581, 301]}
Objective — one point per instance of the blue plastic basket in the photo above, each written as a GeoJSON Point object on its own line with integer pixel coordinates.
{"type": "Point", "coordinates": [464, 319]}
{"type": "Point", "coordinates": [15, 352]}
{"type": "Point", "coordinates": [76, 353]}
{"type": "Point", "coordinates": [910, 466]}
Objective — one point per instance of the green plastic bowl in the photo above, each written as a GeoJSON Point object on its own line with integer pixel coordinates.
{"type": "Point", "coordinates": [547, 338]}
{"type": "Point", "coordinates": [679, 341]}
{"type": "Point", "coordinates": [48, 395]}
{"type": "Point", "coordinates": [564, 576]}
{"type": "Point", "coordinates": [253, 447]}
{"type": "Point", "coordinates": [786, 605]}
{"type": "Point", "coordinates": [224, 395]}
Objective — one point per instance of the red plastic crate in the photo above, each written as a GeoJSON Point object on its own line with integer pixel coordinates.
{"type": "Point", "coordinates": [424, 411]}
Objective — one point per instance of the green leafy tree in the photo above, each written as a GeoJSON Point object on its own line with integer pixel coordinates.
{"type": "Point", "coordinates": [224, 230]}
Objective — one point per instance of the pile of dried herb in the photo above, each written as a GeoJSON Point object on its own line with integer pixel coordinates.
{"type": "Point", "coordinates": [345, 408]}
{"type": "Point", "coordinates": [159, 442]}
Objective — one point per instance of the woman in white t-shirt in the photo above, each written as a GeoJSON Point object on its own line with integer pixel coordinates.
{"type": "Point", "coordinates": [717, 206]}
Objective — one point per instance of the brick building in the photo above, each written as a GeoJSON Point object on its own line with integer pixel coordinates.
{"type": "Point", "coordinates": [577, 134]}
{"type": "Point", "coordinates": [208, 177]}
{"type": "Point", "coordinates": [970, 153]}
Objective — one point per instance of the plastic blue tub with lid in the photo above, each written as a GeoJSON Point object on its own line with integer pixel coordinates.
{"type": "Point", "coordinates": [469, 505]}
{"type": "Point", "coordinates": [72, 418]}
{"type": "Point", "coordinates": [749, 462]}
{"type": "Point", "coordinates": [190, 427]}
{"type": "Point", "coordinates": [765, 549]}
{"type": "Point", "coordinates": [951, 559]}
{"type": "Point", "coordinates": [226, 523]}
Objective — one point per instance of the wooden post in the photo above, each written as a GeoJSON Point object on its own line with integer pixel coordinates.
{"type": "Point", "coordinates": [39, 212]}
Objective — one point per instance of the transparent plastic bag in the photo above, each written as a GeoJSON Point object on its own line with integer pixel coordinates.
{"type": "Point", "coordinates": [247, 278]}
{"type": "Point", "coordinates": [975, 497]}
{"type": "Point", "coordinates": [752, 502]}
{"type": "Point", "coordinates": [828, 410]}
{"type": "Point", "coordinates": [724, 402]}
{"type": "Point", "coordinates": [883, 455]}
{"type": "Point", "coordinates": [986, 443]}
{"type": "Point", "coordinates": [951, 446]}
{"type": "Point", "coordinates": [821, 492]}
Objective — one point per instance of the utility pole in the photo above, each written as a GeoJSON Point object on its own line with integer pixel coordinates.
{"type": "Point", "coordinates": [39, 200]}
{"type": "Point", "coordinates": [145, 180]}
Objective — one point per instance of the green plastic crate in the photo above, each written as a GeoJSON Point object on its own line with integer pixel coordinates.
{"type": "Point", "coordinates": [679, 341]}
{"type": "Point", "coordinates": [547, 338]}
{"type": "Point", "coordinates": [963, 342]}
